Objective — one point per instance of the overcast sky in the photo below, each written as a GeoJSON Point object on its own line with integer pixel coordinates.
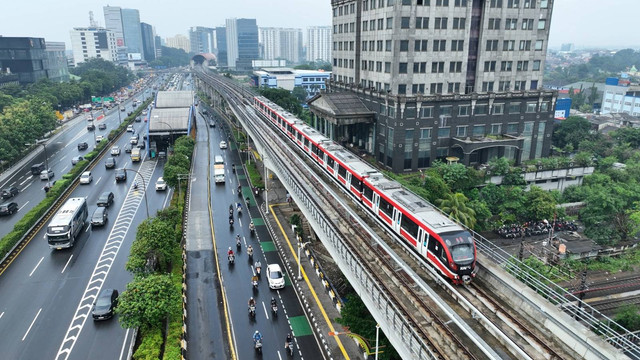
{"type": "Point", "coordinates": [608, 23]}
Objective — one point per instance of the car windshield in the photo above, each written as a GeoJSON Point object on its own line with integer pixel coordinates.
{"type": "Point", "coordinates": [103, 302]}
{"type": "Point", "coordinates": [460, 244]}
{"type": "Point", "coordinates": [276, 275]}
{"type": "Point", "coordinates": [462, 253]}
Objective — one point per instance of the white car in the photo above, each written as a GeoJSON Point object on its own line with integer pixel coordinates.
{"type": "Point", "coordinates": [161, 185]}
{"type": "Point", "coordinates": [275, 277]}
{"type": "Point", "coordinates": [86, 177]}
{"type": "Point", "coordinates": [99, 138]}
{"type": "Point", "coordinates": [223, 144]}
{"type": "Point", "coordinates": [46, 174]}
{"type": "Point", "coordinates": [130, 128]}
{"type": "Point", "coordinates": [115, 151]}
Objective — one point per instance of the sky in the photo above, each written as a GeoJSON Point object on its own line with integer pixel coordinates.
{"type": "Point", "coordinates": [586, 23]}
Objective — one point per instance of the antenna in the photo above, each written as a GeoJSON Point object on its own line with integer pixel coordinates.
{"type": "Point", "coordinates": [92, 22]}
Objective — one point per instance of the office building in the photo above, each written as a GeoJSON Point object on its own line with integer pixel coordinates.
{"type": "Point", "coordinates": [221, 46]}
{"type": "Point", "coordinates": [319, 43]}
{"type": "Point", "coordinates": [179, 42]}
{"type": "Point", "coordinates": [148, 41]}
{"type": "Point", "coordinates": [620, 97]}
{"type": "Point", "coordinates": [93, 42]}
{"type": "Point", "coordinates": [202, 40]}
{"type": "Point", "coordinates": [132, 33]}
{"type": "Point", "coordinates": [438, 79]}
{"type": "Point", "coordinates": [242, 43]}
{"type": "Point", "coordinates": [312, 81]}
{"type": "Point", "coordinates": [57, 60]}
{"type": "Point", "coordinates": [26, 60]}
{"type": "Point", "coordinates": [159, 44]}
{"type": "Point", "coordinates": [280, 43]}
{"type": "Point", "coordinates": [113, 23]}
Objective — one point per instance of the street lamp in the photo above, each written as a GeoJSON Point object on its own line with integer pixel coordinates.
{"type": "Point", "coordinates": [144, 186]}
{"type": "Point", "coordinates": [181, 177]}
{"type": "Point", "coordinates": [170, 128]}
{"type": "Point", "coordinates": [46, 158]}
{"type": "Point", "coordinates": [301, 245]}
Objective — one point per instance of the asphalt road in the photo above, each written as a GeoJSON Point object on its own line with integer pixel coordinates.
{"type": "Point", "coordinates": [60, 150]}
{"type": "Point", "coordinates": [46, 300]}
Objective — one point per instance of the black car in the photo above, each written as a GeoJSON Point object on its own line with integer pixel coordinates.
{"type": "Point", "coordinates": [10, 192]}
{"type": "Point", "coordinates": [105, 199]}
{"type": "Point", "coordinates": [102, 126]}
{"type": "Point", "coordinates": [8, 208]}
{"type": "Point", "coordinates": [110, 163]}
{"type": "Point", "coordinates": [104, 305]}
{"type": "Point", "coordinates": [99, 217]}
{"type": "Point", "coordinates": [212, 123]}
{"type": "Point", "coordinates": [141, 145]}
{"type": "Point", "coordinates": [121, 175]}
{"type": "Point", "coordinates": [138, 119]}
{"type": "Point", "coordinates": [82, 146]}
{"type": "Point", "coordinates": [91, 127]}
{"type": "Point", "coordinates": [127, 148]}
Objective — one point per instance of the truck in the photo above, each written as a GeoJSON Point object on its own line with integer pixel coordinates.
{"type": "Point", "coordinates": [218, 173]}
{"type": "Point", "coordinates": [135, 154]}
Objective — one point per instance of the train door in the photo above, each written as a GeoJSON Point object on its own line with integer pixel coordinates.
{"type": "Point", "coordinates": [374, 203]}
{"type": "Point", "coordinates": [423, 239]}
{"type": "Point", "coordinates": [397, 216]}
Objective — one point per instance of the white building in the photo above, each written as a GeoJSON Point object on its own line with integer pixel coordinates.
{"type": "Point", "coordinates": [179, 42]}
{"type": "Point", "coordinates": [620, 97]}
{"type": "Point", "coordinates": [93, 42]}
{"type": "Point", "coordinates": [281, 43]}
{"type": "Point", "coordinates": [319, 43]}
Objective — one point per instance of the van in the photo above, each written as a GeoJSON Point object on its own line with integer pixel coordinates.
{"type": "Point", "coordinates": [218, 160]}
{"type": "Point", "coordinates": [37, 168]}
{"type": "Point", "coordinates": [135, 154]}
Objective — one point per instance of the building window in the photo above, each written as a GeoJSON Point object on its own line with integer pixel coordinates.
{"type": "Point", "coordinates": [402, 68]}
{"type": "Point", "coordinates": [478, 130]}
{"type": "Point", "coordinates": [445, 111]}
{"type": "Point", "coordinates": [460, 3]}
{"type": "Point", "coordinates": [508, 45]}
{"type": "Point", "coordinates": [492, 45]}
{"type": "Point", "coordinates": [420, 67]}
{"type": "Point", "coordinates": [388, 45]}
{"type": "Point", "coordinates": [435, 88]}
{"type": "Point", "coordinates": [404, 22]}
{"type": "Point", "coordinates": [365, 25]}
{"type": "Point", "coordinates": [531, 107]}
{"type": "Point", "coordinates": [527, 24]}
{"type": "Point", "coordinates": [536, 65]}
{"type": "Point", "coordinates": [514, 108]}
{"type": "Point", "coordinates": [420, 45]}
{"type": "Point", "coordinates": [442, 2]}
{"type": "Point", "coordinates": [481, 109]}
{"type": "Point", "coordinates": [379, 45]}
{"type": "Point", "coordinates": [404, 45]}
{"type": "Point", "coordinates": [422, 22]}
{"type": "Point", "coordinates": [387, 67]}
{"type": "Point", "coordinates": [389, 23]}
{"type": "Point", "coordinates": [495, 3]}
{"type": "Point", "coordinates": [494, 24]}
{"type": "Point", "coordinates": [425, 134]}
{"type": "Point", "coordinates": [525, 45]}
{"type": "Point", "coordinates": [352, 27]}
{"type": "Point", "coordinates": [453, 88]}
{"type": "Point", "coordinates": [498, 109]}
{"type": "Point", "coordinates": [544, 107]}
{"type": "Point", "coordinates": [364, 46]}
{"type": "Point", "coordinates": [496, 129]}
{"type": "Point", "coordinates": [372, 25]}
{"type": "Point", "coordinates": [534, 84]}
{"type": "Point", "coordinates": [402, 89]}
{"type": "Point", "coordinates": [437, 67]}
{"type": "Point", "coordinates": [364, 65]}
{"type": "Point", "coordinates": [444, 133]}
{"type": "Point", "coordinates": [520, 85]}
{"type": "Point", "coordinates": [487, 86]}
{"type": "Point", "coordinates": [417, 88]}
{"type": "Point", "coordinates": [406, 2]}
{"type": "Point", "coordinates": [513, 4]}
{"type": "Point", "coordinates": [463, 110]}
{"type": "Point", "coordinates": [380, 24]}
{"type": "Point", "coordinates": [506, 65]}
{"type": "Point", "coordinates": [489, 66]}
{"type": "Point", "coordinates": [512, 128]}
{"type": "Point", "coordinates": [544, 4]}
{"type": "Point", "coordinates": [379, 66]}
{"type": "Point", "coordinates": [504, 85]}
{"type": "Point", "coordinates": [461, 131]}
{"type": "Point", "coordinates": [539, 44]}
{"type": "Point", "coordinates": [457, 45]}
{"type": "Point", "coordinates": [459, 23]}
{"type": "Point", "coordinates": [511, 24]}
{"type": "Point", "coordinates": [522, 66]}
{"type": "Point", "coordinates": [390, 2]}
{"type": "Point", "coordinates": [340, 28]}
{"type": "Point", "coordinates": [440, 23]}
{"type": "Point", "coordinates": [455, 67]}
{"type": "Point", "coordinates": [340, 46]}
{"type": "Point", "coordinates": [440, 45]}
{"type": "Point", "coordinates": [352, 8]}
{"type": "Point", "coordinates": [529, 4]}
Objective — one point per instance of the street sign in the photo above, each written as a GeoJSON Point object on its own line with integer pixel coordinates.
{"type": "Point", "coordinates": [107, 98]}
{"type": "Point", "coordinates": [96, 99]}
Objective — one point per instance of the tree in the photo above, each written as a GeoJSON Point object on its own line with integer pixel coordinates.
{"type": "Point", "coordinates": [435, 186]}
{"type": "Point", "coordinates": [283, 98]}
{"type": "Point", "coordinates": [628, 317]}
{"type": "Point", "coordinates": [540, 204]}
{"type": "Point", "coordinates": [572, 130]}
{"type": "Point", "coordinates": [457, 176]}
{"type": "Point", "coordinates": [455, 205]}
{"type": "Point", "coordinates": [499, 166]}
{"type": "Point", "coordinates": [147, 302]}
{"type": "Point", "coordinates": [300, 93]}
{"type": "Point", "coordinates": [152, 249]}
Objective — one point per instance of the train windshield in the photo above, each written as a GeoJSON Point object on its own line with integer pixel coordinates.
{"type": "Point", "coordinates": [460, 244]}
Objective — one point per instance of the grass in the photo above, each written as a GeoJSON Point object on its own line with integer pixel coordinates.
{"type": "Point", "coordinates": [254, 175]}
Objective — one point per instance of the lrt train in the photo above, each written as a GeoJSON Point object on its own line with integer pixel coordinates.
{"type": "Point", "coordinates": [446, 245]}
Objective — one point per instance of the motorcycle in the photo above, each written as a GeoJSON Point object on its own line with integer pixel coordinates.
{"type": "Point", "coordinates": [238, 244]}
{"type": "Point", "coordinates": [274, 309]}
{"type": "Point", "coordinates": [258, 345]}
{"type": "Point", "coordinates": [232, 259]}
{"type": "Point", "coordinates": [258, 270]}
{"type": "Point", "coordinates": [231, 224]}
{"type": "Point", "coordinates": [240, 190]}
{"type": "Point", "coordinates": [290, 348]}
{"type": "Point", "coordinates": [250, 253]}
{"type": "Point", "coordinates": [239, 210]}
{"type": "Point", "coordinates": [252, 311]}
{"type": "Point", "coordinates": [254, 283]}
{"type": "Point", "coordinates": [252, 229]}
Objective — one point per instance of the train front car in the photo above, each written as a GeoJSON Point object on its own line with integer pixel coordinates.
{"type": "Point", "coordinates": [462, 254]}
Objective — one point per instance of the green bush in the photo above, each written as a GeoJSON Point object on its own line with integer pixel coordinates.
{"type": "Point", "coordinates": [254, 176]}
{"type": "Point", "coordinates": [150, 345]}
{"type": "Point", "coordinates": [172, 345]}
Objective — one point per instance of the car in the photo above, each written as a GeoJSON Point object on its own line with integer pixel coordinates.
{"type": "Point", "coordinates": [91, 127]}
{"type": "Point", "coordinates": [83, 146]}
{"type": "Point", "coordinates": [223, 144]}
{"type": "Point", "coordinates": [275, 277]}
{"type": "Point", "coordinates": [99, 138]}
{"type": "Point", "coordinates": [10, 192]}
{"type": "Point", "coordinates": [162, 155]}
{"type": "Point", "coordinates": [46, 174]}
{"type": "Point", "coordinates": [122, 108]}
{"type": "Point", "coordinates": [110, 163]}
{"type": "Point", "coordinates": [141, 145]}
{"type": "Point", "coordinates": [105, 199]}
{"type": "Point", "coordinates": [127, 148]}
{"type": "Point", "coordinates": [130, 128]}
{"type": "Point", "coordinates": [8, 208]}
{"type": "Point", "coordinates": [76, 159]}
{"type": "Point", "coordinates": [121, 175]}
{"type": "Point", "coordinates": [144, 112]}
{"type": "Point", "coordinates": [86, 177]}
{"type": "Point", "coordinates": [99, 217]}
{"type": "Point", "coordinates": [105, 303]}
{"type": "Point", "coordinates": [134, 140]}
{"type": "Point", "coordinates": [138, 119]}
{"type": "Point", "coordinates": [102, 126]}
{"type": "Point", "coordinates": [161, 185]}
{"type": "Point", "coordinates": [212, 123]}
{"type": "Point", "coordinates": [115, 151]}
{"type": "Point", "coordinates": [37, 168]}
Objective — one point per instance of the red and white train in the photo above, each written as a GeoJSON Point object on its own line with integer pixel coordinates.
{"type": "Point", "coordinates": [445, 244]}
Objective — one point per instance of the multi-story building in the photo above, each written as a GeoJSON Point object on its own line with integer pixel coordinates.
{"type": "Point", "coordinates": [148, 41]}
{"type": "Point", "coordinates": [179, 42]}
{"type": "Point", "coordinates": [57, 60]}
{"type": "Point", "coordinates": [132, 32]}
{"type": "Point", "coordinates": [242, 43]}
{"type": "Point", "coordinates": [432, 79]}
{"type": "Point", "coordinates": [93, 42]}
{"type": "Point", "coordinates": [280, 43]}
{"type": "Point", "coordinates": [221, 46]}
{"type": "Point", "coordinates": [620, 96]}
{"type": "Point", "coordinates": [159, 44]}
{"type": "Point", "coordinates": [286, 78]}
{"type": "Point", "coordinates": [113, 23]}
{"type": "Point", "coordinates": [319, 43]}
{"type": "Point", "coordinates": [202, 40]}
{"type": "Point", "coordinates": [27, 60]}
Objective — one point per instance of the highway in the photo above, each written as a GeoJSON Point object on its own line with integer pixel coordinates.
{"type": "Point", "coordinates": [47, 295]}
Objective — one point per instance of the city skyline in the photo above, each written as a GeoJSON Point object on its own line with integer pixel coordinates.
{"type": "Point", "coordinates": [573, 21]}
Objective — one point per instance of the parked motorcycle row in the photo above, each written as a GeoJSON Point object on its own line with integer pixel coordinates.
{"type": "Point", "coordinates": [534, 228]}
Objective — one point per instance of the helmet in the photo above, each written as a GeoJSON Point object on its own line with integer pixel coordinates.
{"type": "Point", "coordinates": [256, 333]}
{"type": "Point", "coordinates": [272, 299]}
{"type": "Point", "coordinates": [229, 247]}
{"type": "Point", "coordinates": [251, 298]}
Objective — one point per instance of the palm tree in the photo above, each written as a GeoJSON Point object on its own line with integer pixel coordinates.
{"type": "Point", "coordinates": [456, 206]}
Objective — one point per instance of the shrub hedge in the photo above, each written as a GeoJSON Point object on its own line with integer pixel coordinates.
{"type": "Point", "coordinates": [150, 345]}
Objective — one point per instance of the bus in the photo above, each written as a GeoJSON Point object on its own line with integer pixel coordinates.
{"type": "Point", "coordinates": [67, 223]}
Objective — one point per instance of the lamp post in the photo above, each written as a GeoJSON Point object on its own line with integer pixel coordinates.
{"type": "Point", "coordinates": [46, 157]}
{"type": "Point", "coordinates": [181, 177]}
{"type": "Point", "coordinates": [377, 337]}
{"type": "Point", "coordinates": [170, 128]}
{"type": "Point", "coordinates": [144, 186]}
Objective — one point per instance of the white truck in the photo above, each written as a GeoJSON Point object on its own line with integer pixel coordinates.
{"type": "Point", "coordinates": [218, 173]}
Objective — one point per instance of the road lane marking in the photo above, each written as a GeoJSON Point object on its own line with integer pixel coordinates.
{"type": "Point", "coordinates": [25, 204]}
{"type": "Point", "coordinates": [97, 181]}
{"type": "Point", "coordinates": [62, 158]}
{"type": "Point", "coordinates": [279, 356]}
{"type": "Point", "coordinates": [65, 169]}
{"type": "Point", "coordinates": [27, 179]}
{"type": "Point", "coordinates": [29, 329]}
{"type": "Point", "coordinates": [29, 184]}
{"type": "Point", "coordinates": [266, 313]}
{"type": "Point", "coordinates": [124, 344]}
{"type": "Point", "coordinates": [1, 315]}
{"type": "Point", "coordinates": [34, 269]}
{"type": "Point", "coordinates": [67, 264]}
{"type": "Point", "coordinates": [166, 198]}
{"type": "Point", "coordinates": [88, 227]}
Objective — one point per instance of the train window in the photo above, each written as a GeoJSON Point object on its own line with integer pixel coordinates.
{"type": "Point", "coordinates": [299, 136]}
{"type": "Point", "coordinates": [342, 171]}
{"type": "Point", "coordinates": [314, 149]}
{"type": "Point", "coordinates": [306, 142]}
{"type": "Point", "coordinates": [367, 192]}
{"type": "Point", "coordinates": [356, 183]}
{"type": "Point", "coordinates": [433, 244]}
{"type": "Point", "coordinates": [386, 207]}
{"type": "Point", "coordinates": [330, 161]}
{"type": "Point", "coordinates": [409, 226]}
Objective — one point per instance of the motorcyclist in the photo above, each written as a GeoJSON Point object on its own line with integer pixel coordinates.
{"type": "Point", "coordinates": [233, 167]}
{"type": "Point", "coordinates": [288, 340]}
{"type": "Point", "coordinates": [252, 226]}
{"type": "Point", "coordinates": [252, 302]}
{"type": "Point", "coordinates": [254, 280]}
{"type": "Point", "coordinates": [237, 238]}
{"type": "Point", "coordinates": [135, 184]}
{"type": "Point", "coordinates": [250, 250]}
{"type": "Point", "coordinates": [239, 189]}
{"type": "Point", "coordinates": [257, 265]}
{"type": "Point", "coordinates": [257, 337]}
{"type": "Point", "coordinates": [230, 252]}
{"type": "Point", "coordinates": [273, 302]}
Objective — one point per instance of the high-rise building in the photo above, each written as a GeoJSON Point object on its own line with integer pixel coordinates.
{"type": "Point", "coordinates": [93, 42]}
{"type": "Point", "coordinates": [58, 69]}
{"type": "Point", "coordinates": [202, 39]}
{"type": "Point", "coordinates": [148, 41]}
{"type": "Point", "coordinates": [132, 32]}
{"type": "Point", "coordinates": [242, 43]}
{"type": "Point", "coordinates": [319, 43]}
{"type": "Point", "coordinates": [113, 23]}
{"type": "Point", "coordinates": [179, 42]}
{"type": "Point", "coordinates": [29, 59]}
{"type": "Point", "coordinates": [439, 79]}
{"type": "Point", "coordinates": [159, 44]}
{"type": "Point", "coordinates": [221, 46]}
{"type": "Point", "coordinates": [280, 43]}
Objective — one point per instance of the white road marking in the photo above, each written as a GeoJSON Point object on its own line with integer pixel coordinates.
{"type": "Point", "coordinates": [27, 179]}
{"type": "Point", "coordinates": [29, 329]}
{"type": "Point", "coordinates": [88, 227]}
{"type": "Point", "coordinates": [166, 198]}
{"type": "Point", "coordinates": [1, 315]}
{"type": "Point", "coordinates": [38, 264]}
{"type": "Point", "coordinates": [25, 204]}
{"type": "Point", "coordinates": [67, 264]}
{"type": "Point", "coordinates": [12, 184]}
{"type": "Point", "coordinates": [63, 158]}
{"type": "Point", "coordinates": [97, 181]}
{"type": "Point", "coordinates": [266, 313]}
{"type": "Point", "coordinates": [279, 356]}
{"type": "Point", "coordinates": [124, 344]}
{"type": "Point", "coordinates": [65, 169]}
